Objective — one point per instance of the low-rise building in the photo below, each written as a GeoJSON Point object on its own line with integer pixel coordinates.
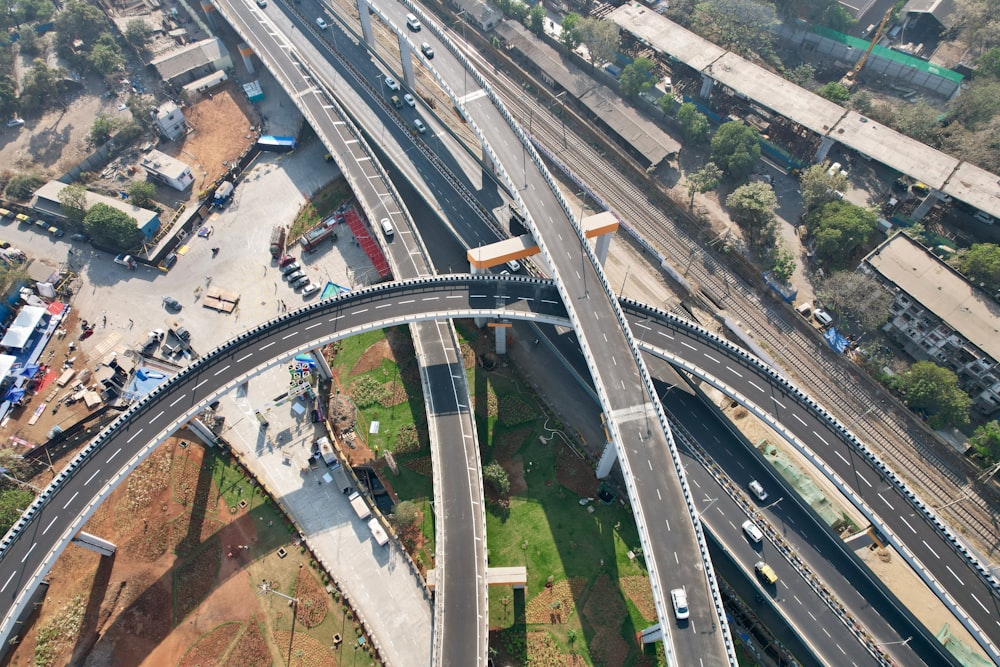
{"type": "Point", "coordinates": [168, 170]}
{"type": "Point", "coordinates": [193, 61]}
{"type": "Point", "coordinates": [46, 204]}
{"type": "Point", "coordinates": [170, 121]}
{"type": "Point", "coordinates": [937, 315]}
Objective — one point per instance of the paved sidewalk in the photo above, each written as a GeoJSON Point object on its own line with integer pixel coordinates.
{"type": "Point", "coordinates": [379, 582]}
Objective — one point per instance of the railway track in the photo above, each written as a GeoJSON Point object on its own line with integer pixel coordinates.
{"type": "Point", "coordinates": [878, 422]}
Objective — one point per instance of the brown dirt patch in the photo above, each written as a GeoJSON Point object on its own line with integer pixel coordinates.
{"type": "Point", "coordinates": [603, 612]}
{"type": "Point", "coordinates": [556, 603]}
{"type": "Point", "coordinates": [211, 648]}
{"type": "Point", "coordinates": [312, 599]}
{"type": "Point", "coordinates": [515, 470]}
{"type": "Point", "coordinates": [304, 650]}
{"type": "Point", "coordinates": [509, 443]}
{"type": "Point", "coordinates": [251, 649]}
{"type": "Point", "coordinates": [638, 591]}
{"type": "Point", "coordinates": [421, 466]}
{"type": "Point", "coordinates": [575, 474]}
{"type": "Point", "coordinates": [468, 356]}
{"type": "Point", "coordinates": [396, 394]}
{"type": "Point", "coordinates": [372, 358]}
{"type": "Point", "coordinates": [222, 131]}
{"type": "Point", "coordinates": [194, 578]}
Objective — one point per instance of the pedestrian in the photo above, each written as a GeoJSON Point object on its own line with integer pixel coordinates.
{"type": "Point", "coordinates": [215, 251]}
{"type": "Point", "coordinates": [130, 323]}
{"type": "Point", "coordinates": [104, 321]}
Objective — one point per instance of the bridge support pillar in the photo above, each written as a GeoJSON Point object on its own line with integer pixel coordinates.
{"type": "Point", "coordinates": [245, 53]}
{"type": "Point", "coordinates": [209, 10]}
{"type": "Point", "coordinates": [607, 462]}
{"type": "Point", "coordinates": [824, 147]}
{"type": "Point", "coordinates": [366, 23]}
{"type": "Point", "coordinates": [487, 162]}
{"type": "Point", "coordinates": [601, 248]}
{"type": "Point", "coordinates": [926, 205]}
{"type": "Point", "coordinates": [406, 62]}
{"type": "Point", "coordinates": [322, 367]}
{"type": "Point", "coordinates": [500, 330]}
{"type": "Point", "coordinates": [95, 544]}
{"type": "Point", "coordinates": [652, 634]}
{"type": "Point", "coordinates": [707, 83]}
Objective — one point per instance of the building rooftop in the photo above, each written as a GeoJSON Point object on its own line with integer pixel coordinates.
{"type": "Point", "coordinates": [47, 199]}
{"type": "Point", "coordinates": [642, 134]}
{"type": "Point", "coordinates": [666, 36]}
{"type": "Point", "coordinates": [945, 11]}
{"type": "Point", "coordinates": [162, 163]}
{"type": "Point", "coordinates": [976, 187]}
{"type": "Point", "coordinates": [174, 63]}
{"type": "Point", "coordinates": [940, 289]}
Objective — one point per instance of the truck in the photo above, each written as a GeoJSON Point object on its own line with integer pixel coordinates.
{"type": "Point", "coordinates": [223, 194]}
{"type": "Point", "coordinates": [359, 505]}
{"type": "Point", "coordinates": [326, 450]}
{"type": "Point", "coordinates": [378, 532]}
{"type": "Point", "coordinates": [277, 241]}
{"type": "Point", "coordinates": [311, 239]}
{"type": "Point", "coordinates": [340, 478]}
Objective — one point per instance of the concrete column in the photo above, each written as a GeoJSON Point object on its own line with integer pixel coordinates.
{"type": "Point", "coordinates": [824, 147]}
{"type": "Point", "coordinates": [608, 458]}
{"type": "Point", "coordinates": [500, 335]}
{"type": "Point", "coordinates": [406, 62]}
{"type": "Point", "coordinates": [209, 10]}
{"type": "Point", "coordinates": [927, 204]}
{"type": "Point", "coordinates": [366, 23]}
{"type": "Point", "coordinates": [707, 83]}
{"type": "Point", "coordinates": [601, 248]}
{"type": "Point", "coordinates": [652, 634]}
{"type": "Point", "coordinates": [322, 368]}
{"type": "Point", "coordinates": [487, 162]}
{"type": "Point", "coordinates": [95, 544]}
{"type": "Point", "coordinates": [245, 52]}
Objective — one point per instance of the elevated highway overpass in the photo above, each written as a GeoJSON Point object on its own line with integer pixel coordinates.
{"type": "Point", "coordinates": [29, 551]}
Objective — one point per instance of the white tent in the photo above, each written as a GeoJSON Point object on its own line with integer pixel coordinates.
{"type": "Point", "coordinates": [20, 331]}
{"type": "Point", "coordinates": [6, 363]}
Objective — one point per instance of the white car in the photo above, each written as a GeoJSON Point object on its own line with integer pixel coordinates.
{"type": "Point", "coordinates": [514, 266]}
{"type": "Point", "coordinates": [15, 122]}
{"type": "Point", "coordinates": [419, 125]}
{"type": "Point", "coordinates": [757, 490]}
{"type": "Point", "coordinates": [409, 100]}
{"type": "Point", "coordinates": [310, 289]}
{"type": "Point", "coordinates": [321, 23]}
{"type": "Point", "coordinates": [752, 531]}
{"type": "Point", "coordinates": [680, 600]}
{"type": "Point", "coordinates": [391, 83]}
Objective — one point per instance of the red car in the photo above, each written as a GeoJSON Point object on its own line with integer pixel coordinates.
{"type": "Point", "coordinates": [285, 260]}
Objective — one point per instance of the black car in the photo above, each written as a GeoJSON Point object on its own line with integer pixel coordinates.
{"type": "Point", "coordinates": [301, 282]}
{"type": "Point", "coordinates": [171, 303]}
{"type": "Point", "coordinates": [293, 276]}
{"type": "Point", "coordinates": [80, 236]}
{"type": "Point", "coordinates": [290, 268]}
{"type": "Point", "coordinates": [182, 334]}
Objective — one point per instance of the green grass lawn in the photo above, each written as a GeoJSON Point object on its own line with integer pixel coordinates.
{"type": "Point", "coordinates": [323, 203]}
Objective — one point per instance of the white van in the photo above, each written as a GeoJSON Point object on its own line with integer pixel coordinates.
{"type": "Point", "coordinates": [413, 23]}
{"type": "Point", "coordinates": [387, 228]}
{"type": "Point", "coordinates": [804, 309]}
{"type": "Point", "coordinates": [823, 317]}
{"type": "Point", "coordinates": [752, 532]}
{"type": "Point", "coordinates": [514, 266]}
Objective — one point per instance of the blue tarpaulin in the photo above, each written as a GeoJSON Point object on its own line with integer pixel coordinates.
{"type": "Point", "coordinates": [836, 341]}
{"type": "Point", "coordinates": [14, 394]}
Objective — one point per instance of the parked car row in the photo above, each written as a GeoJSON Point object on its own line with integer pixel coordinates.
{"type": "Point", "coordinates": [295, 275]}
{"type": "Point", "coordinates": [38, 223]}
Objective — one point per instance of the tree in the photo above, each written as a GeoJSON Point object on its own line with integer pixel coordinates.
{"type": "Point", "coordinates": [30, 43]}
{"type": "Point", "coordinates": [742, 25]}
{"type": "Point", "coordinates": [106, 56]}
{"type": "Point", "coordinates": [978, 104]}
{"type": "Point", "coordinates": [933, 389]}
{"type": "Point", "coordinates": [986, 441]}
{"type": "Point", "coordinates": [981, 264]}
{"type": "Point", "coordinates": [861, 101]}
{"type": "Point", "coordinates": [141, 193]}
{"type": "Point", "coordinates": [835, 92]}
{"type": "Point", "coordinates": [142, 108]}
{"type": "Point", "coordinates": [989, 63]}
{"type": "Point", "coordinates": [857, 297]}
{"type": "Point", "coordinates": [11, 277]}
{"type": "Point", "coordinates": [570, 36]}
{"type": "Point", "coordinates": [9, 104]}
{"type": "Point", "coordinates": [13, 502]}
{"type": "Point", "coordinates": [839, 229]}
{"type": "Point", "coordinates": [818, 187]}
{"type": "Point", "coordinates": [801, 75]}
{"type": "Point", "coordinates": [405, 515]}
{"type": "Point", "coordinates": [705, 179]}
{"type": "Point", "coordinates": [536, 19]}
{"type": "Point", "coordinates": [137, 33]}
{"type": "Point", "coordinates": [694, 124]}
{"type": "Point", "coordinates": [752, 206]}
{"type": "Point", "coordinates": [101, 129]}
{"type": "Point", "coordinates": [40, 86]}
{"type": "Point", "coordinates": [23, 186]}
{"type": "Point", "coordinates": [782, 263]}
{"type": "Point", "coordinates": [497, 478]}
{"type": "Point", "coordinates": [80, 20]}
{"type": "Point", "coordinates": [637, 77]}
{"type": "Point", "coordinates": [112, 227]}
{"type": "Point", "coordinates": [736, 149]}
{"type": "Point", "coordinates": [73, 202]}
{"type": "Point", "coordinates": [602, 39]}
